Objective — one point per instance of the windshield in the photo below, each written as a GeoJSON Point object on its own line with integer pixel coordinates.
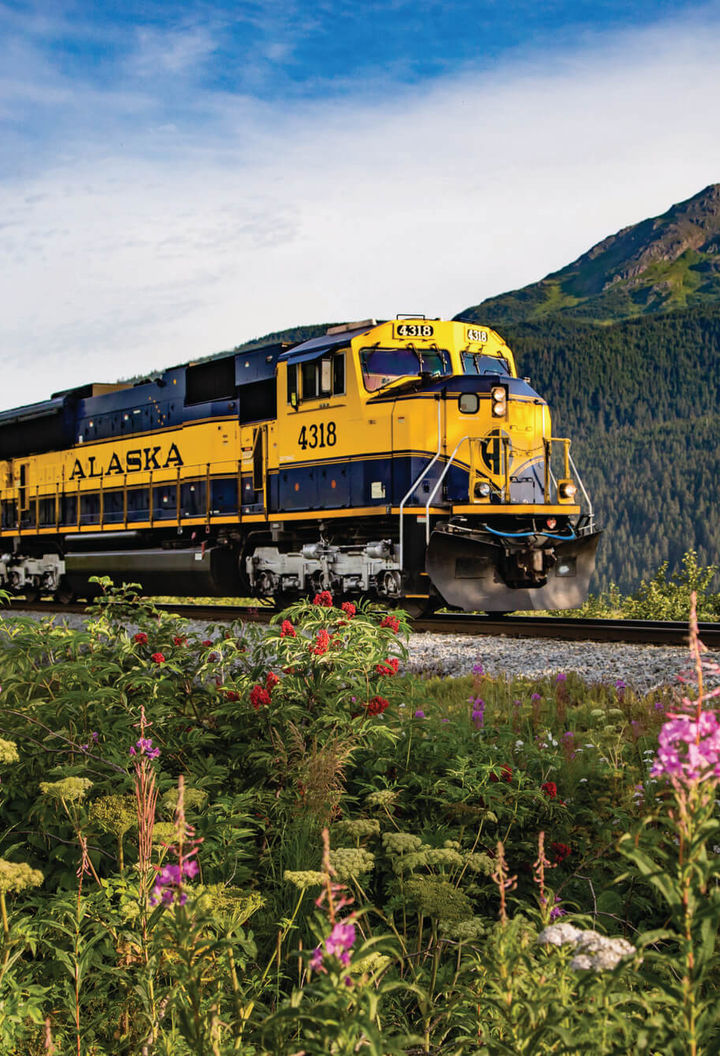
{"type": "Point", "coordinates": [474, 363]}
{"type": "Point", "coordinates": [383, 365]}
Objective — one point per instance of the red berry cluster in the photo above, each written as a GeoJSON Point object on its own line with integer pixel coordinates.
{"type": "Point", "coordinates": [324, 599]}
{"type": "Point", "coordinates": [550, 789]}
{"type": "Point", "coordinates": [392, 622]}
{"type": "Point", "coordinates": [560, 851]}
{"type": "Point", "coordinates": [376, 706]}
{"type": "Point", "coordinates": [287, 630]}
{"type": "Point", "coordinates": [260, 695]}
{"type": "Point", "coordinates": [388, 667]}
{"type": "Point", "coordinates": [322, 643]}
{"type": "Point", "coordinates": [504, 775]}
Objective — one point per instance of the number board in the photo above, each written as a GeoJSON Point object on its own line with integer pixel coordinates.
{"type": "Point", "coordinates": [473, 334]}
{"type": "Point", "coordinates": [414, 330]}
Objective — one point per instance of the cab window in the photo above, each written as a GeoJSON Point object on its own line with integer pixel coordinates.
{"type": "Point", "coordinates": [383, 365]}
{"type": "Point", "coordinates": [475, 363]}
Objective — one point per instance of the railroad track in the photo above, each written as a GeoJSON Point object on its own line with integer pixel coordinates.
{"type": "Point", "coordinates": [645, 632]}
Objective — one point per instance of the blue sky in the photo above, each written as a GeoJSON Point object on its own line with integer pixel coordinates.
{"type": "Point", "coordinates": [177, 178]}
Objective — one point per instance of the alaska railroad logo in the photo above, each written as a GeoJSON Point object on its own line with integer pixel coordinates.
{"type": "Point", "coordinates": [496, 449]}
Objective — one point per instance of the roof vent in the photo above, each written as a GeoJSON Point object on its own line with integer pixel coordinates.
{"type": "Point", "coordinates": [363, 324]}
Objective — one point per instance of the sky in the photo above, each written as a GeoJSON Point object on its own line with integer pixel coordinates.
{"type": "Point", "coordinates": [177, 178]}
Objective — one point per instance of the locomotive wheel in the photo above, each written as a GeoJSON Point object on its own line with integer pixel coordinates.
{"type": "Point", "coordinates": [64, 595]}
{"type": "Point", "coordinates": [416, 608]}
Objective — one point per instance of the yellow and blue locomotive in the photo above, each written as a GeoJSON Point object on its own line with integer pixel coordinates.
{"type": "Point", "coordinates": [404, 460]}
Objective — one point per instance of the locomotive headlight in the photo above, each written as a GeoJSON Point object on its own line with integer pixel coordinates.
{"type": "Point", "coordinates": [499, 400]}
{"type": "Point", "coordinates": [482, 490]}
{"type": "Point", "coordinates": [566, 489]}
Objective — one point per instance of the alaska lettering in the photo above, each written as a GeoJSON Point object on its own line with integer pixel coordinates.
{"type": "Point", "coordinates": [142, 458]}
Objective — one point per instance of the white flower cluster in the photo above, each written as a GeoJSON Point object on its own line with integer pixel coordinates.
{"type": "Point", "coordinates": [593, 952]}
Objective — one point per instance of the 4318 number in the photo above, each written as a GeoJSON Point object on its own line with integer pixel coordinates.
{"type": "Point", "coordinates": [322, 435]}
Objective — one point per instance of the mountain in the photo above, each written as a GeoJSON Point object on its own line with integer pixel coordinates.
{"type": "Point", "coordinates": [661, 264]}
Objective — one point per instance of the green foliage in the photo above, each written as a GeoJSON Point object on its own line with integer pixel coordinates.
{"type": "Point", "coordinates": [662, 597]}
{"type": "Point", "coordinates": [178, 907]}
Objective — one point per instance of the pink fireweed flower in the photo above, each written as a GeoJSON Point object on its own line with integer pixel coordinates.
{"type": "Point", "coordinates": [168, 882]}
{"type": "Point", "coordinates": [338, 944]}
{"type": "Point", "coordinates": [689, 748]}
{"type": "Point", "coordinates": [145, 747]}
{"type": "Point", "coordinates": [478, 712]}
{"type": "Point", "coordinates": [478, 669]}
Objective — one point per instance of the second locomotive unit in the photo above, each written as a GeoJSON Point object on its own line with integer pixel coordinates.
{"type": "Point", "coordinates": [405, 461]}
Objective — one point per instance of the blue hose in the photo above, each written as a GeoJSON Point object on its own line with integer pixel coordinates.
{"type": "Point", "coordinates": [525, 535]}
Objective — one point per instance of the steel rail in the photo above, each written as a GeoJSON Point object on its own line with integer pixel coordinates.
{"type": "Point", "coordinates": [645, 632]}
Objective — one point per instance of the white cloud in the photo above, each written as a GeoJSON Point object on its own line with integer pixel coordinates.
{"type": "Point", "coordinates": [158, 247]}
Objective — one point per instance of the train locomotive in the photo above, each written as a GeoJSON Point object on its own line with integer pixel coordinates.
{"type": "Point", "coordinates": [404, 461]}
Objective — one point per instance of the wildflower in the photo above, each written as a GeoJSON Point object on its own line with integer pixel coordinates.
{"type": "Point", "coordinates": [258, 697]}
{"type": "Point", "coordinates": [145, 747]}
{"type": "Point", "coordinates": [17, 876]}
{"type": "Point", "coordinates": [561, 677]}
{"type": "Point", "coordinates": [70, 789]}
{"type": "Point", "coordinates": [560, 851]}
{"type": "Point", "coordinates": [158, 658]}
{"type": "Point", "coordinates": [348, 608]}
{"type": "Point", "coordinates": [271, 681]}
{"type": "Point", "coordinates": [94, 734]}
{"type": "Point", "coordinates": [168, 882]}
{"type": "Point", "coordinates": [536, 697]}
{"type": "Point", "coordinates": [322, 643]}
{"type": "Point", "coordinates": [377, 705]}
{"type": "Point", "coordinates": [504, 775]}
{"type": "Point", "coordinates": [338, 944]}
{"type": "Point", "coordinates": [419, 714]}
{"type": "Point", "coordinates": [392, 622]}
{"type": "Point", "coordinates": [115, 813]}
{"type": "Point", "coordinates": [557, 910]}
{"type": "Point", "coordinates": [287, 630]}
{"type": "Point", "coordinates": [8, 752]}
{"type": "Point", "coordinates": [350, 862]}
{"type": "Point", "coordinates": [550, 789]}
{"type": "Point", "coordinates": [388, 667]}
{"type": "Point", "coordinates": [620, 687]}
{"type": "Point", "coordinates": [304, 878]}
{"type": "Point", "coordinates": [689, 748]}
{"type": "Point", "coordinates": [323, 599]}
{"type": "Point", "coordinates": [478, 669]}
{"type": "Point", "coordinates": [478, 713]}
{"type": "Point", "coordinates": [141, 638]}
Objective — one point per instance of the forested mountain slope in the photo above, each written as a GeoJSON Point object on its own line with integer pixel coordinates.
{"type": "Point", "coordinates": [641, 401]}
